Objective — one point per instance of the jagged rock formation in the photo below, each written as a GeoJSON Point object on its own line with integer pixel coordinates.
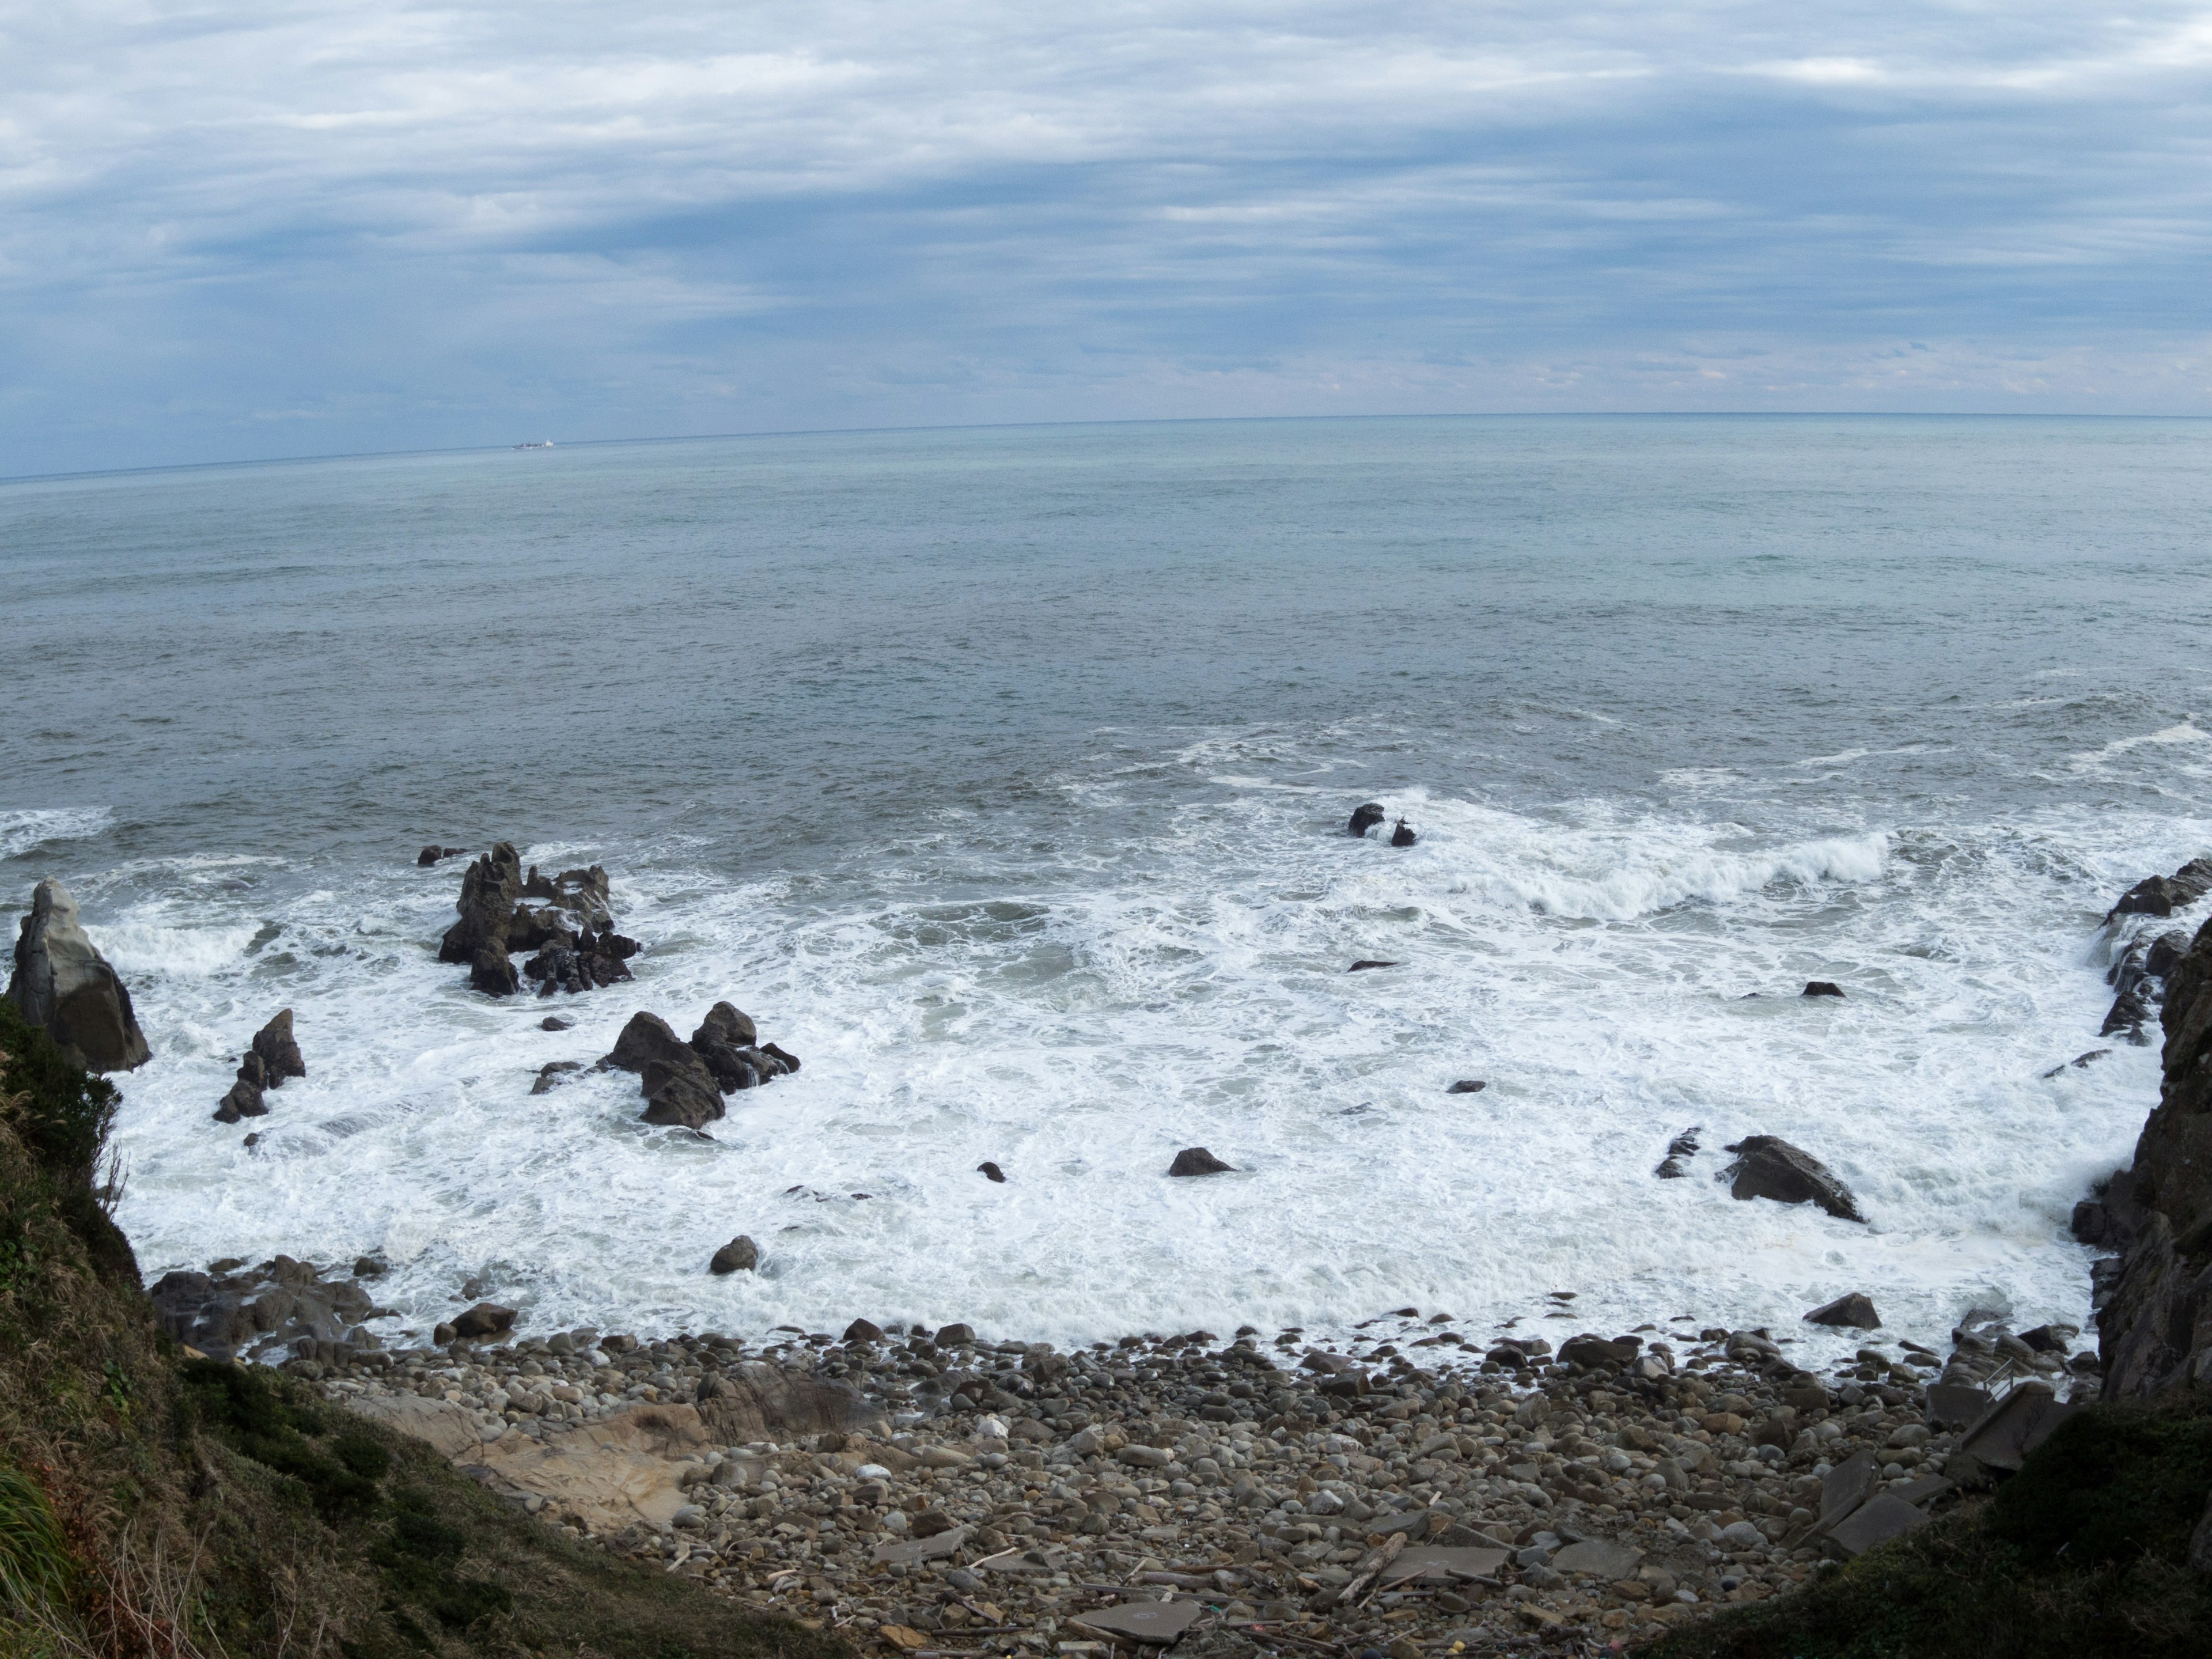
{"type": "Point", "coordinates": [274, 1056]}
{"type": "Point", "coordinates": [281, 1309]}
{"type": "Point", "coordinates": [2154, 1302]}
{"type": "Point", "coordinates": [1767, 1166]}
{"type": "Point", "coordinates": [571, 932]}
{"type": "Point", "coordinates": [64, 986]}
{"type": "Point", "coordinates": [683, 1082]}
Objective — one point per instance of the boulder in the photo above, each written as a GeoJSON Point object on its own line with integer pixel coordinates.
{"type": "Point", "coordinates": [1468, 1086]}
{"type": "Point", "coordinates": [65, 988]}
{"type": "Point", "coordinates": [2161, 896]}
{"type": "Point", "coordinates": [1403, 835]}
{"type": "Point", "coordinates": [1821, 988]}
{"type": "Point", "coordinates": [1197, 1161]}
{"type": "Point", "coordinates": [724, 1023]}
{"type": "Point", "coordinates": [430, 855]}
{"type": "Point", "coordinates": [789, 1061]}
{"type": "Point", "coordinates": [1366, 816]}
{"type": "Point", "coordinates": [485, 1319]}
{"type": "Point", "coordinates": [862, 1330]}
{"type": "Point", "coordinates": [278, 1309]}
{"type": "Point", "coordinates": [554, 1023]}
{"type": "Point", "coordinates": [991, 1171]}
{"type": "Point", "coordinates": [581, 893]}
{"type": "Point", "coordinates": [644, 1040]}
{"type": "Point", "coordinates": [1854, 1311]}
{"type": "Point", "coordinates": [551, 1073]}
{"type": "Point", "coordinates": [244, 1100]}
{"type": "Point", "coordinates": [278, 1053]}
{"type": "Point", "coordinates": [739, 1255]}
{"type": "Point", "coordinates": [1767, 1166]}
{"type": "Point", "coordinates": [681, 1093]}
{"type": "Point", "coordinates": [488, 893]}
{"type": "Point", "coordinates": [491, 972]}
{"type": "Point", "coordinates": [1366, 962]}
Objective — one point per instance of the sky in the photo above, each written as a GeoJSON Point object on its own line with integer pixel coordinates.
{"type": "Point", "coordinates": [230, 231]}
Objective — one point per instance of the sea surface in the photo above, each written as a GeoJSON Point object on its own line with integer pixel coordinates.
{"type": "Point", "coordinates": [1003, 776]}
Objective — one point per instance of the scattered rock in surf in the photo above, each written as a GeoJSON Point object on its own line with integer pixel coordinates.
{"type": "Point", "coordinates": [1365, 964]}
{"type": "Point", "coordinates": [684, 1082]}
{"type": "Point", "coordinates": [1468, 1086]}
{"type": "Point", "coordinates": [1855, 1311]}
{"type": "Point", "coordinates": [554, 1023]}
{"type": "Point", "coordinates": [862, 1330]}
{"type": "Point", "coordinates": [1403, 835]}
{"type": "Point", "coordinates": [1680, 1150]}
{"type": "Point", "coordinates": [273, 1057]}
{"type": "Point", "coordinates": [485, 1319]}
{"type": "Point", "coordinates": [551, 1073]}
{"type": "Point", "coordinates": [244, 1100]}
{"type": "Point", "coordinates": [572, 933]}
{"type": "Point", "coordinates": [1821, 988]}
{"type": "Point", "coordinates": [991, 1171]}
{"type": "Point", "coordinates": [955, 1336]}
{"type": "Point", "coordinates": [2161, 896]}
{"type": "Point", "coordinates": [65, 988]}
{"type": "Point", "coordinates": [1767, 1166]}
{"type": "Point", "coordinates": [1197, 1161]}
{"type": "Point", "coordinates": [2139, 978]}
{"type": "Point", "coordinates": [1366, 816]}
{"type": "Point", "coordinates": [281, 1308]}
{"type": "Point", "coordinates": [430, 855]}
{"type": "Point", "coordinates": [2080, 1062]}
{"type": "Point", "coordinates": [739, 1255]}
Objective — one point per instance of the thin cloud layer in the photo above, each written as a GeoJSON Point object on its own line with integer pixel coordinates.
{"type": "Point", "coordinates": [233, 231]}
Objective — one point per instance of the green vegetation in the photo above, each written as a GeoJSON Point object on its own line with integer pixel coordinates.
{"type": "Point", "coordinates": [154, 1506]}
{"type": "Point", "coordinates": [2082, 1554]}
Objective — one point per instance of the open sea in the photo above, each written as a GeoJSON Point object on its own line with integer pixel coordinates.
{"type": "Point", "coordinates": [1003, 775]}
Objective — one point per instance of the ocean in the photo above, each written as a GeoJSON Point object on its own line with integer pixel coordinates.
{"type": "Point", "coordinates": [1003, 775]}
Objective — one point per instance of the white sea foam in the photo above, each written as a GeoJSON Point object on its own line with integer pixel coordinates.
{"type": "Point", "coordinates": [27, 830]}
{"type": "Point", "coordinates": [1079, 1015]}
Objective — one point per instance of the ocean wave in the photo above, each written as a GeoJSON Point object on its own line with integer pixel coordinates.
{"type": "Point", "coordinates": [24, 831]}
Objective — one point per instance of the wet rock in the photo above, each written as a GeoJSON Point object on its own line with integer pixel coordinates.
{"type": "Point", "coordinates": [1767, 1166]}
{"type": "Point", "coordinates": [2080, 1063]}
{"type": "Point", "coordinates": [1362, 965]}
{"type": "Point", "coordinates": [491, 972]}
{"type": "Point", "coordinates": [724, 1023]}
{"type": "Point", "coordinates": [2161, 896]}
{"type": "Point", "coordinates": [581, 893]}
{"type": "Point", "coordinates": [485, 1319]}
{"type": "Point", "coordinates": [243, 1101]}
{"type": "Point", "coordinates": [1403, 835]}
{"type": "Point", "coordinates": [64, 986]}
{"type": "Point", "coordinates": [1197, 1161]}
{"type": "Point", "coordinates": [680, 1093]}
{"type": "Point", "coordinates": [862, 1330]}
{"type": "Point", "coordinates": [990, 1172]}
{"type": "Point", "coordinates": [488, 892]}
{"type": "Point", "coordinates": [280, 1057]}
{"type": "Point", "coordinates": [262, 1313]}
{"type": "Point", "coordinates": [1821, 988]}
{"type": "Point", "coordinates": [1855, 1311]}
{"type": "Point", "coordinates": [430, 855]}
{"type": "Point", "coordinates": [1468, 1086]}
{"type": "Point", "coordinates": [788, 1060]}
{"type": "Point", "coordinates": [739, 1255]}
{"type": "Point", "coordinates": [1366, 816]}
{"type": "Point", "coordinates": [551, 1073]}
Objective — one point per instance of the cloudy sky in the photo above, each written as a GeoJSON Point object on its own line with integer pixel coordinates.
{"type": "Point", "coordinates": [232, 230]}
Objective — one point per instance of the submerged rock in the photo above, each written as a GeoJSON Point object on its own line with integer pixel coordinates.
{"type": "Point", "coordinates": [739, 1255]}
{"type": "Point", "coordinates": [1767, 1166]}
{"type": "Point", "coordinates": [65, 988]}
{"type": "Point", "coordinates": [1821, 988]}
{"type": "Point", "coordinates": [1366, 816]}
{"type": "Point", "coordinates": [1197, 1161]}
{"type": "Point", "coordinates": [1403, 835]}
{"type": "Point", "coordinates": [991, 1171]}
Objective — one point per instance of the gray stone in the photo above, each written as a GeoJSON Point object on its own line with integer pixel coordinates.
{"type": "Point", "coordinates": [65, 988]}
{"type": "Point", "coordinates": [1442, 1563]}
{"type": "Point", "coordinates": [1854, 1311]}
{"type": "Point", "coordinates": [485, 1319]}
{"type": "Point", "coordinates": [1877, 1521]}
{"type": "Point", "coordinates": [1158, 1623]}
{"type": "Point", "coordinates": [1955, 1405]}
{"type": "Point", "coordinates": [1598, 1557]}
{"type": "Point", "coordinates": [2005, 1434]}
{"type": "Point", "coordinates": [921, 1549]}
{"type": "Point", "coordinates": [739, 1255]}
{"type": "Point", "coordinates": [1767, 1166]}
{"type": "Point", "coordinates": [1846, 1486]}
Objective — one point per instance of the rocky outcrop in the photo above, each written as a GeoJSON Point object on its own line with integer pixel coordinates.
{"type": "Point", "coordinates": [2154, 1304]}
{"type": "Point", "coordinates": [273, 1057]}
{"type": "Point", "coordinates": [1366, 816]}
{"type": "Point", "coordinates": [64, 986]}
{"type": "Point", "coordinates": [2138, 979]}
{"type": "Point", "coordinates": [684, 1083]}
{"type": "Point", "coordinates": [1855, 1311]}
{"type": "Point", "coordinates": [571, 931]}
{"type": "Point", "coordinates": [1767, 1166]}
{"type": "Point", "coordinates": [2161, 896]}
{"type": "Point", "coordinates": [281, 1309]}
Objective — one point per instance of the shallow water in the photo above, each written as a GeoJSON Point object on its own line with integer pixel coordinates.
{"type": "Point", "coordinates": [1002, 776]}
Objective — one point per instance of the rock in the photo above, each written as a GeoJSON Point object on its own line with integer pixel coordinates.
{"type": "Point", "coordinates": [1362, 965]}
{"type": "Point", "coordinates": [1598, 1558]}
{"type": "Point", "coordinates": [861, 1331]}
{"type": "Point", "coordinates": [2164, 955]}
{"type": "Point", "coordinates": [554, 1023]}
{"type": "Point", "coordinates": [65, 988]}
{"type": "Point", "coordinates": [1877, 1521]}
{"type": "Point", "coordinates": [278, 1053]}
{"type": "Point", "coordinates": [244, 1100]}
{"type": "Point", "coordinates": [790, 1060]}
{"type": "Point", "coordinates": [1767, 1166]}
{"type": "Point", "coordinates": [1403, 834]}
{"type": "Point", "coordinates": [1821, 988]}
{"type": "Point", "coordinates": [2161, 896]}
{"type": "Point", "coordinates": [2051, 1338]}
{"type": "Point", "coordinates": [1855, 1310]}
{"type": "Point", "coordinates": [581, 893]}
{"type": "Point", "coordinates": [2080, 1063]}
{"type": "Point", "coordinates": [723, 1024]}
{"type": "Point", "coordinates": [450, 1429]}
{"type": "Point", "coordinates": [430, 855]}
{"type": "Point", "coordinates": [644, 1040]}
{"type": "Point", "coordinates": [1365, 817]}
{"type": "Point", "coordinates": [488, 893]}
{"type": "Point", "coordinates": [263, 1312]}
{"type": "Point", "coordinates": [492, 973]}
{"type": "Point", "coordinates": [1468, 1086]}
{"type": "Point", "coordinates": [551, 1073]}
{"type": "Point", "coordinates": [740, 1254]}
{"type": "Point", "coordinates": [991, 1171]}
{"type": "Point", "coordinates": [1197, 1161]}
{"type": "Point", "coordinates": [954, 1336]}
{"type": "Point", "coordinates": [485, 1319]}
{"type": "Point", "coordinates": [681, 1095]}
{"type": "Point", "coordinates": [1154, 1623]}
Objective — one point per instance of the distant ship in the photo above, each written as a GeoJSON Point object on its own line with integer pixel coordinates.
{"type": "Point", "coordinates": [548, 444]}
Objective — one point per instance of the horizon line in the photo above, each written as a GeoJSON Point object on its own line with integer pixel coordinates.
{"type": "Point", "coordinates": [1159, 420]}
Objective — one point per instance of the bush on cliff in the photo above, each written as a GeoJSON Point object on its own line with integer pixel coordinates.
{"type": "Point", "coordinates": [2082, 1554]}
{"type": "Point", "coordinates": [157, 1506]}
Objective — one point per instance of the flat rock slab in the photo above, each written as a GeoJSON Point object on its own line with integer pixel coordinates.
{"type": "Point", "coordinates": [1599, 1556]}
{"type": "Point", "coordinates": [1923, 1491]}
{"type": "Point", "coordinates": [1442, 1563]}
{"type": "Point", "coordinates": [1876, 1522]}
{"type": "Point", "coordinates": [451, 1429]}
{"type": "Point", "coordinates": [1955, 1405]}
{"type": "Point", "coordinates": [2002, 1437]}
{"type": "Point", "coordinates": [623, 1469]}
{"type": "Point", "coordinates": [921, 1549]}
{"type": "Point", "coordinates": [1846, 1486]}
{"type": "Point", "coordinates": [1160, 1622]}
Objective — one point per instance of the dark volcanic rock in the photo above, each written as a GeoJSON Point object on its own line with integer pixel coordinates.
{"type": "Point", "coordinates": [279, 1055]}
{"type": "Point", "coordinates": [681, 1094]}
{"type": "Point", "coordinates": [1767, 1166]}
{"type": "Point", "coordinates": [1468, 1086]}
{"type": "Point", "coordinates": [488, 892]}
{"type": "Point", "coordinates": [493, 972]}
{"type": "Point", "coordinates": [723, 1024]}
{"type": "Point", "coordinates": [1821, 988]}
{"type": "Point", "coordinates": [1854, 1311]}
{"type": "Point", "coordinates": [1197, 1161]}
{"type": "Point", "coordinates": [739, 1255]}
{"type": "Point", "coordinates": [551, 1073]}
{"type": "Point", "coordinates": [686, 1081]}
{"type": "Point", "coordinates": [787, 1061]}
{"type": "Point", "coordinates": [2161, 896]}
{"type": "Point", "coordinates": [1366, 816]}
{"type": "Point", "coordinates": [554, 1023]}
{"type": "Point", "coordinates": [2154, 1326]}
{"type": "Point", "coordinates": [645, 1039]}
{"type": "Point", "coordinates": [990, 1172]}
{"type": "Point", "coordinates": [244, 1100]}
{"type": "Point", "coordinates": [64, 986]}
{"type": "Point", "coordinates": [581, 893]}
{"type": "Point", "coordinates": [1403, 835]}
